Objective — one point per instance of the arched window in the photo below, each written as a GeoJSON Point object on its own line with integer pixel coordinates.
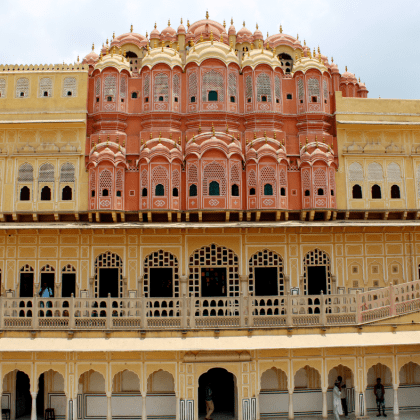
{"type": "Point", "coordinates": [214, 188]}
{"type": "Point", "coordinates": [105, 193]}
{"type": "Point", "coordinates": [67, 193]}
{"type": "Point", "coordinates": [263, 88]}
{"type": "Point", "coordinates": [144, 192]}
{"type": "Point", "coordinates": [25, 194]}
{"type": "Point", "coordinates": [376, 191]}
{"type": "Point", "coordinates": [212, 81]}
{"type": "Point", "coordinates": [320, 191]}
{"type": "Point", "coordinates": [26, 173]}
{"type": "Point", "coordinates": [46, 173]}
{"type": "Point", "coordinates": [146, 87]}
{"type": "Point", "coordinates": [133, 95]}
{"type": "Point", "coordinates": [161, 87]}
{"type": "Point", "coordinates": [105, 183]}
{"type": "Point", "coordinates": [192, 85]}
{"type": "Point", "coordinates": [70, 86]}
{"type": "Point", "coordinates": [248, 88]}
{"type": "Point", "coordinates": [46, 194]}
{"type": "Point", "coordinates": [235, 190]}
{"type": "Point", "coordinates": [307, 193]}
{"type": "Point", "coordinates": [313, 90]}
{"type": "Point", "coordinates": [252, 191]}
{"type": "Point", "coordinates": [22, 88]}
{"type": "Point", "coordinates": [176, 87]}
{"type": "Point", "coordinates": [212, 96]}
{"type": "Point", "coordinates": [282, 191]}
{"type": "Point", "coordinates": [175, 192]}
{"type": "Point", "coordinates": [357, 191]}
{"type": "Point", "coordinates": [214, 171]}
{"type": "Point", "coordinates": [232, 82]}
{"type": "Point", "coordinates": [45, 87]}
{"type": "Point", "coordinates": [159, 190]}
{"type": "Point", "coordinates": [118, 194]}
{"type": "Point", "coordinates": [193, 190]}
{"type": "Point", "coordinates": [67, 172]}
{"type": "Point", "coordinates": [375, 172]}
{"type": "Point", "coordinates": [395, 191]}
{"type": "Point", "coordinates": [268, 189]}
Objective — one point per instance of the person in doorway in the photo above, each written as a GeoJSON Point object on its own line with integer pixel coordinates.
{"type": "Point", "coordinates": [379, 392]}
{"type": "Point", "coordinates": [209, 401]}
{"type": "Point", "coordinates": [337, 408]}
{"type": "Point", "coordinates": [343, 389]}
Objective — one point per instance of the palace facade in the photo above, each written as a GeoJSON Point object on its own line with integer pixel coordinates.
{"type": "Point", "coordinates": [205, 204]}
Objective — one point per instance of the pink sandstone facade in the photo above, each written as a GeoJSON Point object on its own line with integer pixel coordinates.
{"type": "Point", "coordinates": [222, 124]}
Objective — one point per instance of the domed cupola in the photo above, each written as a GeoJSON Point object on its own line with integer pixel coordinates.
{"type": "Point", "coordinates": [258, 34]}
{"type": "Point", "coordinates": [347, 76]}
{"type": "Point", "coordinates": [232, 30]}
{"type": "Point", "coordinates": [91, 58]}
{"type": "Point", "coordinates": [155, 34]}
{"type": "Point", "coordinates": [169, 33]}
{"type": "Point", "coordinates": [181, 29]}
{"type": "Point", "coordinates": [244, 35]}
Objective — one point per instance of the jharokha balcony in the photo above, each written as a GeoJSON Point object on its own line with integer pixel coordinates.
{"type": "Point", "coordinates": [190, 313]}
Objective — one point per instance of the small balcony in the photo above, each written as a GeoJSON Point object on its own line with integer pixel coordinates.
{"type": "Point", "coordinates": [193, 313]}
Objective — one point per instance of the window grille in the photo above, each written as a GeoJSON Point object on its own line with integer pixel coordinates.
{"type": "Point", "coordinates": [108, 260]}
{"type": "Point", "coordinates": [105, 182]}
{"type": "Point", "coordinates": [68, 269]}
{"type": "Point", "coordinates": [263, 87]}
{"type": "Point", "coordinates": [192, 174]}
{"type": "Point", "coordinates": [67, 173]}
{"type": "Point", "coordinates": [313, 87]}
{"type": "Point", "coordinates": [192, 84]}
{"type": "Point", "coordinates": [375, 172]}
{"type": "Point", "coordinates": [248, 87]}
{"type": "Point", "coordinates": [355, 172]}
{"type": "Point", "coordinates": [161, 87]}
{"type": "Point", "coordinates": [110, 86]}
{"type": "Point", "coordinates": [214, 172]}
{"type": "Point", "coordinates": [45, 85]}
{"type": "Point", "coordinates": [160, 176]}
{"type": "Point", "coordinates": [175, 178]}
{"type": "Point", "coordinates": [46, 173]}
{"type": "Point", "coordinates": [266, 258]}
{"type": "Point", "coordinates": [268, 176]}
{"type": "Point", "coordinates": [320, 178]}
{"type": "Point", "coordinates": [144, 178]}
{"type": "Point", "coordinates": [2, 88]}
{"type": "Point", "coordinates": [332, 179]}
{"type": "Point", "coordinates": [300, 90]}
{"type": "Point", "coordinates": [252, 178]}
{"type": "Point", "coordinates": [161, 259]}
{"type": "Point", "coordinates": [47, 269]}
{"type": "Point", "coordinates": [213, 80]}
{"type": "Point", "coordinates": [26, 173]}
{"type": "Point", "coordinates": [316, 258]}
{"type": "Point", "coordinates": [22, 86]}
{"type": "Point", "coordinates": [325, 89]}
{"type": "Point", "coordinates": [176, 86]}
{"type": "Point", "coordinates": [214, 256]}
{"type": "Point", "coordinates": [70, 85]}
{"type": "Point", "coordinates": [123, 87]}
{"type": "Point", "coordinates": [98, 87]}
{"type": "Point", "coordinates": [119, 181]}
{"type": "Point", "coordinates": [306, 176]}
{"type": "Point", "coordinates": [92, 181]}
{"type": "Point", "coordinates": [232, 85]}
{"type": "Point", "coordinates": [146, 87]}
{"type": "Point", "coordinates": [394, 172]}
{"type": "Point", "coordinates": [282, 178]}
{"type": "Point", "coordinates": [26, 269]}
{"type": "Point", "coordinates": [277, 90]}
{"type": "Point", "coordinates": [235, 174]}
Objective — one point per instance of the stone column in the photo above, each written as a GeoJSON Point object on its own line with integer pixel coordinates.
{"type": "Point", "coordinates": [396, 407]}
{"type": "Point", "coordinates": [75, 407]}
{"type": "Point", "coordinates": [33, 410]}
{"type": "Point", "coordinates": [286, 283]}
{"type": "Point", "coordinates": [109, 406]}
{"type": "Point", "coordinates": [291, 410]}
{"type": "Point", "coordinates": [177, 414]}
{"type": "Point", "coordinates": [324, 403]}
{"type": "Point", "coordinates": [66, 414]}
{"type": "Point", "coordinates": [143, 407]}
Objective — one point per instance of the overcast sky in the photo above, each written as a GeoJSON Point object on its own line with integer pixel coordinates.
{"type": "Point", "coordinates": [376, 39]}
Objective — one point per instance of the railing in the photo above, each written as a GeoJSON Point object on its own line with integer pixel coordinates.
{"type": "Point", "coordinates": [208, 313]}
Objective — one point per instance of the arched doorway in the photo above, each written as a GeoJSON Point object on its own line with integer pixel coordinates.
{"type": "Point", "coordinates": [161, 400]}
{"type": "Point", "coordinates": [307, 395]}
{"type": "Point", "coordinates": [274, 395]}
{"type": "Point", "coordinates": [214, 272]}
{"type": "Point", "coordinates": [384, 372]}
{"type": "Point", "coordinates": [347, 381]}
{"type": "Point", "coordinates": [51, 394]}
{"type": "Point", "coordinates": [223, 385]}
{"type": "Point", "coordinates": [26, 281]}
{"type": "Point", "coordinates": [23, 395]}
{"type": "Point", "coordinates": [316, 273]}
{"type": "Point", "coordinates": [409, 387]}
{"type": "Point", "coordinates": [108, 275]}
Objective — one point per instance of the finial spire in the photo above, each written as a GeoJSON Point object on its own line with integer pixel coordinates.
{"type": "Point", "coordinates": [256, 26]}
{"type": "Point", "coordinates": [93, 46]}
{"type": "Point", "coordinates": [231, 21]}
{"type": "Point", "coordinates": [332, 59]}
{"type": "Point", "coordinates": [281, 29]}
{"type": "Point", "coordinates": [113, 35]}
{"type": "Point", "coordinates": [304, 42]}
{"type": "Point", "coordinates": [155, 25]}
{"type": "Point", "coordinates": [188, 23]}
{"type": "Point", "coordinates": [181, 21]}
{"type": "Point", "coordinates": [346, 68]}
{"type": "Point", "coordinates": [211, 37]}
{"type": "Point", "coordinates": [297, 37]}
{"type": "Point", "coordinates": [243, 24]}
{"type": "Point", "coordinates": [224, 23]}
{"type": "Point", "coordinates": [207, 14]}
{"type": "Point", "coordinates": [131, 28]}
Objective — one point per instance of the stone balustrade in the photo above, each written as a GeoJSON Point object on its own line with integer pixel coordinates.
{"type": "Point", "coordinates": [189, 313]}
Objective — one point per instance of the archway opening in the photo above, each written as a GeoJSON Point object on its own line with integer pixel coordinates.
{"type": "Point", "coordinates": [273, 393]}
{"type": "Point", "coordinates": [26, 282]}
{"type": "Point", "coordinates": [317, 273]}
{"type": "Point", "coordinates": [222, 384]}
{"type": "Point", "coordinates": [385, 374]}
{"type": "Point", "coordinates": [161, 400]}
{"type": "Point", "coordinates": [23, 395]}
{"type": "Point", "coordinates": [308, 393]}
{"type": "Point", "coordinates": [68, 281]}
{"type": "Point", "coordinates": [51, 394]}
{"type": "Point", "coordinates": [108, 275]}
{"type": "Point", "coordinates": [345, 375]}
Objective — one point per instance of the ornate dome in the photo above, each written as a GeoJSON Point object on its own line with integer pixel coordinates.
{"type": "Point", "coordinates": [92, 57]}
{"type": "Point", "coordinates": [155, 34]}
{"type": "Point", "coordinates": [258, 34]}
{"type": "Point", "coordinates": [244, 35]}
{"type": "Point", "coordinates": [232, 30]}
{"type": "Point", "coordinates": [168, 32]}
{"type": "Point", "coordinates": [204, 27]}
{"type": "Point", "coordinates": [129, 38]}
{"type": "Point", "coordinates": [181, 28]}
{"type": "Point", "coordinates": [349, 76]}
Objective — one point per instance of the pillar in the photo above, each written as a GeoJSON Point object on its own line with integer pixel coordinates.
{"type": "Point", "coordinates": [396, 407]}
{"type": "Point", "coordinates": [143, 407]}
{"type": "Point", "coordinates": [33, 410]}
{"type": "Point", "coordinates": [177, 414]}
{"type": "Point", "coordinates": [324, 404]}
{"type": "Point", "coordinates": [109, 406]}
{"type": "Point", "coordinates": [291, 410]}
{"type": "Point", "coordinates": [67, 413]}
{"type": "Point", "coordinates": [75, 407]}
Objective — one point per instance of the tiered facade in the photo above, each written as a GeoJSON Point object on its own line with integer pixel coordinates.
{"type": "Point", "coordinates": [205, 204]}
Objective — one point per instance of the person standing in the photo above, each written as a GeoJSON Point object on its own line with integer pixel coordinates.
{"type": "Point", "coordinates": [379, 392]}
{"type": "Point", "coordinates": [337, 408]}
{"type": "Point", "coordinates": [343, 388]}
{"type": "Point", "coordinates": [209, 402]}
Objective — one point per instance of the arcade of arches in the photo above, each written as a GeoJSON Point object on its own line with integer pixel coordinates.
{"type": "Point", "coordinates": [87, 385]}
